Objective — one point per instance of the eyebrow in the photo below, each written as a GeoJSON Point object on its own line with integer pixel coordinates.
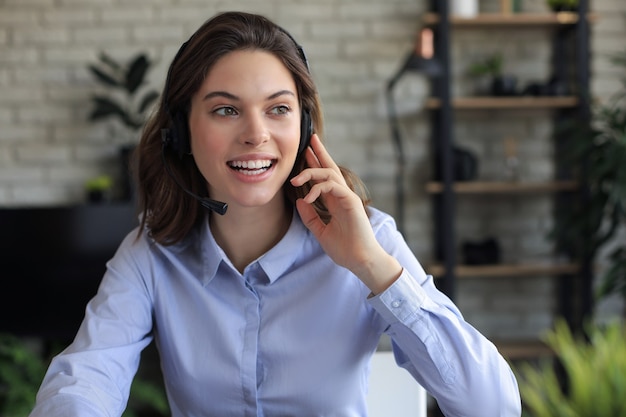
{"type": "Point", "coordinates": [234, 97]}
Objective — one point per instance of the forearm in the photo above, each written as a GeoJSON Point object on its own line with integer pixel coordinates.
{"type": "Point", "coordinates": [457, 365]}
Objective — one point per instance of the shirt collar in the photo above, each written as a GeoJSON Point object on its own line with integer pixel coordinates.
{"type": "Point", "coordinates": [274, 262]}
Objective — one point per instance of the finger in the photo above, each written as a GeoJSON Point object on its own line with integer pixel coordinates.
{"type": "Point", "coordinates": [317, 174]}
{"type": "Point", "coordinates": [324, 158]}
{"type": "Point", "coordinates": [329, 188]}
{"type": "Point", "coordinates": [311, 158]}
{"type": "Point", "coordinates": [310, 217]}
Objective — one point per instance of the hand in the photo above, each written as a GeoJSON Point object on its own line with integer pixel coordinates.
{"type": "Point", "coordinates": [348, 238]}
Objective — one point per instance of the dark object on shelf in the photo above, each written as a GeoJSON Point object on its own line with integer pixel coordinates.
{"type": "Point", "coordinates": [504, 85]}
{"type": "Point", "coordinates": [53, 259]}
{"type": "Point", "coordinates": [465, 167]}
{"type": "Point", "coordinates": [535, 89]}
{"type": "Point", "coordinates": [97, 196]}
{"type": "Point", "coordinates": [501, 84]}
{"type": "Point", "coordinates": [563, 5]}
{"type": "Point", "coordinates": [554, 87]}
{"type": "Point", "coordinates": [484, 252]}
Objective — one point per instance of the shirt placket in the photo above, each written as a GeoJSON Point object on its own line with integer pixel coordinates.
{"type": "Point", "coordinates": [252, 370]}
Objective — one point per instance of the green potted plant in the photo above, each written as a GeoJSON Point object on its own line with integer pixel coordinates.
{"type": "Point", "coordinates": [99, 188]}
{"type": "Point", "coordinates": [21, 372]}
{"type": "Point", "coordinates": [124, 100]}
{"type": "Point", "coordinates": [592, 377]}
{"type": "Point", "coordinates": [491, 68]}
{"type": "Point", "coordinates": [599, 148]}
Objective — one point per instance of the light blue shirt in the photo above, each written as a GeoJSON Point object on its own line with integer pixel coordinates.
{"type": "Point", "coordinates": [291, 336]}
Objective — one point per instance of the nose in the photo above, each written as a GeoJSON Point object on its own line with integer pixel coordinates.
{"type": "Point", "coordinates": [255, 130]}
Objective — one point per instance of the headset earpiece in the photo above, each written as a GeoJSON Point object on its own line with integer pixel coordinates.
{"type": "Point", "coordinates": [306, 130]}
{"type": "Point", "coordinates": [179, 135]}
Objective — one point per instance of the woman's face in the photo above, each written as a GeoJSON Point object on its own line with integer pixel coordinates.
{"type": "Point", "coordinates": [245, 128]}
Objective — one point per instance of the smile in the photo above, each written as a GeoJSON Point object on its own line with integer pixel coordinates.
{"type": "Point", "coordinates": [251, 167]}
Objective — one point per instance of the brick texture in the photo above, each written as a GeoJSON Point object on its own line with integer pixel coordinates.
{"type": "Point", "coordinates": [48, 149]}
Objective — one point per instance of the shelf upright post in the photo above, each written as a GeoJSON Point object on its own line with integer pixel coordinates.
{"type": "Point", "coordinates": [575, 292]}
{"type": "Point", "coordinates": [583, 60]}
{"type": "Point", "coordinates": [562, 63]}
{"type": "Point", "coordinates": [442, 145]}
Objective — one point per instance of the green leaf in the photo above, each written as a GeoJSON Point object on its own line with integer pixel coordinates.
{"type": "Point", "coordinates": [594, 378]}
{"type": "Point", "coordinates": [614, 280]}
{"type": "Point", "coordinates": [21, 372]}
{"type": "Point", "coordinates": [106, 107]}
{"type": "Point", "coordinates": [110, 62]}
{"type": "Point", "coordinates": [147, 101]}
{"type": "Point", "coordinates": [136, 73]}
{"type": "Point", "coordinates": [104, 77]}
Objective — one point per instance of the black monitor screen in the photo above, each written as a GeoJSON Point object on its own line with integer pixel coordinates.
{"type": "Point", "coordinates": [52, 261]}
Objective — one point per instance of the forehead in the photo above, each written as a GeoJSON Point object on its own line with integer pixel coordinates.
{"type": "Point", "coordinates": [241, 69]}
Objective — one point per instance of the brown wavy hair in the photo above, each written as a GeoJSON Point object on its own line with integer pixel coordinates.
{"type": "Point", "coordinates": [168, 212]}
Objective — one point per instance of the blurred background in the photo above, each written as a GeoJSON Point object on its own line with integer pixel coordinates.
{"type": "Point", "coordinates": [65, 66]}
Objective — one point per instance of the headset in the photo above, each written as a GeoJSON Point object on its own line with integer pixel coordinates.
{"type": "Point", "coordinates": [176, 137]}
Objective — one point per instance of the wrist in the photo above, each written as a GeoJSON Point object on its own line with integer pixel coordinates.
{"type": "Point", "coordinates": [379, 272]}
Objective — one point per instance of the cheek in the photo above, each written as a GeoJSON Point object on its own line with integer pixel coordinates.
{"type": "Point", "coordinates": [202, 137]}
{"type": "Point", "coordinates": [291, 139]}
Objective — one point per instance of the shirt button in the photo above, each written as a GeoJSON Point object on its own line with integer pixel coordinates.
{"type": "Point", "coordinates": [396, 303]}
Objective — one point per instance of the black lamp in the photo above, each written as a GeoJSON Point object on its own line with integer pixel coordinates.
{"type": "Point", "coordinates": [422, 61]}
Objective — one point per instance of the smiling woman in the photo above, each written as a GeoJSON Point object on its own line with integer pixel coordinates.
{"type": "Point", "coordinates": [275, 306]}
{"type": "Point", "coordinates": [246, 115]}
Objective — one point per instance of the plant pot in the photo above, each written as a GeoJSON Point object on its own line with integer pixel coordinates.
{"type": "Point", "coordinates": [98, 196]}
{"type": "Point", "coordinates": [557, 9]}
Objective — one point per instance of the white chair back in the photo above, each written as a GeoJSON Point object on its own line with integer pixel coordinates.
{"type": "Point", "coordinates": [393, 392]}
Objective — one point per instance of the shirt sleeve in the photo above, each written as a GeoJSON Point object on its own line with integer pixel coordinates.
{"type": "Point", "coordinates": [93, 375]}
{"type": "Point", "coordinates": [451, 359]}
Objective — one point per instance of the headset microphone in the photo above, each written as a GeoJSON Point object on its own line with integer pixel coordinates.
{"type": "Point", "coordinates": [210, 204]}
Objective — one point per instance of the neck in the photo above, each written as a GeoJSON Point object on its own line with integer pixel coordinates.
{"type": "Point", "coordinates": [245, 234]}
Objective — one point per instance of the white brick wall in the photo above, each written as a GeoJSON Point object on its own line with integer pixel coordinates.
{"type": "Point", "coordinates": [47, 148]}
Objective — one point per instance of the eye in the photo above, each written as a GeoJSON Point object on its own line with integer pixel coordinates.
{"type": "Point", "coordinates": [225, 111]}
{"type": "Point", "coordinates": [282, 109]}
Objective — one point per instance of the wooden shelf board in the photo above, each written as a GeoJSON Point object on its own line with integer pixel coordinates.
{"type": "Point", "coordinates": [503, 187]}
{"type": "Point", "coordinates": [510, 19]}
{"type": "Point", "coordinates": [506, 270]}
{"type": "Point", "coordinates": [524, 349]}
{"type": "Point", "coordinates": [523, 102]}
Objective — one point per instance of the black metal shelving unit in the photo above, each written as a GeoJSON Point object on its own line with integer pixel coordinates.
{"type": "Point", "coordinates": [571, 51]}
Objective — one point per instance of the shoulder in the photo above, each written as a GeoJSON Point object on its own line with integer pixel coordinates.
{"type": "Point", "coordinates": [139, 247]}
{"type": "Point", "coordinates": [381, 221]}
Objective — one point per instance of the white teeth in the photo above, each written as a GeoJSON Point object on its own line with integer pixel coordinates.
{"type": "Point", "coordinates": [252, 165]}
{"type": "Point", "coordinates": [255, 172]}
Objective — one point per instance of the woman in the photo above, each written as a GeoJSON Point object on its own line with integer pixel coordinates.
{"type": "Point", "coordinates": [273, 305]}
